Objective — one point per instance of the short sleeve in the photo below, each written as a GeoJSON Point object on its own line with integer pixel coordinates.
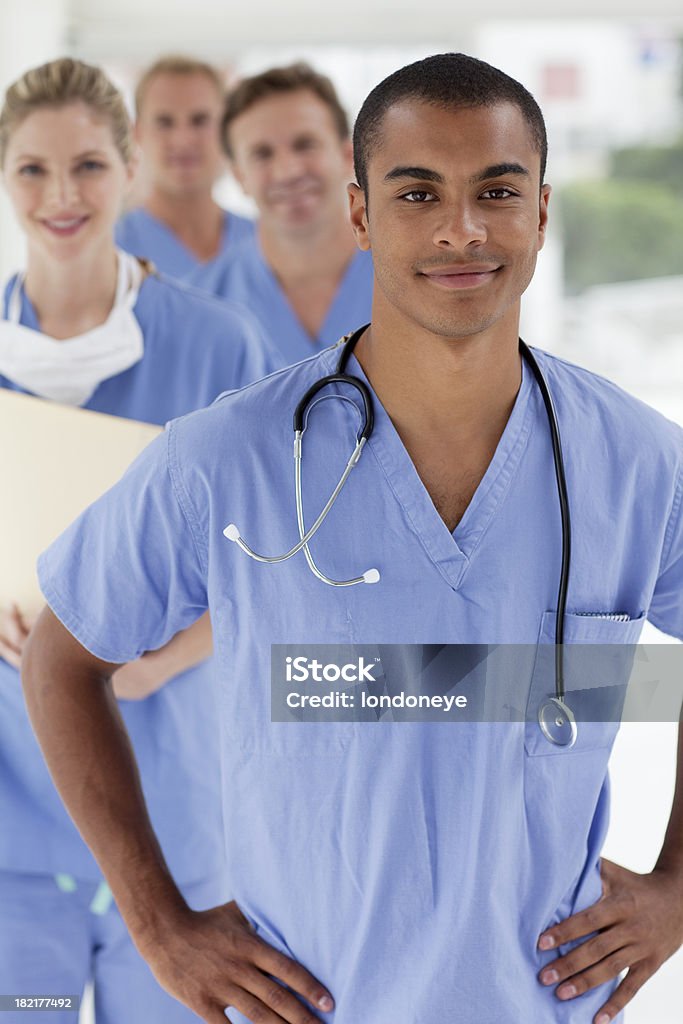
{"type": "Point", "coordinates": [129, 573]}
{"type": "Point", "coordinates": [666, 608]}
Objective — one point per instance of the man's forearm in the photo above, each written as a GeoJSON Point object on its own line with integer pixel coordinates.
{"type": "Point", "coordinates": [207, 959]}
{"type": "Point", "coordinates": [149, 673]}
{"type": "Point", "coordinates": [87, 749]}
{"type": "Point", "coordinates": [671, 855]}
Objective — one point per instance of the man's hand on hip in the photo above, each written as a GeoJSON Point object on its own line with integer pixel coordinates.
{"type": "Point", "coordinates": [639, 925]}
{"type": "Point", "coordinates": [211, 960]}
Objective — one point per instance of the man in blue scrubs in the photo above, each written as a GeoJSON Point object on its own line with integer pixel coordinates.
{"type": "Point", "coordinates": [301, 274]}
{"type": "Point", "coordinates": [402, 871]}
{"type": "Point", "coordinates": [180, 227]}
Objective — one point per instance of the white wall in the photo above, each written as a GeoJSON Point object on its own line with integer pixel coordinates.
{"type": "Point", "coordinates": [31, 31]}
{"type": "Point", "coordinates": [227, 27]}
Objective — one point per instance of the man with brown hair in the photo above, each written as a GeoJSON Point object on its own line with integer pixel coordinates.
{"type": "Point", "coordinates": [287, 137]}
{"type": "Point", "coordinates": [180, 227]}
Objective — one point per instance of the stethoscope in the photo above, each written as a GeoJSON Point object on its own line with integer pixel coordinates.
{"type": "Point", "coordinates": [555, 717]}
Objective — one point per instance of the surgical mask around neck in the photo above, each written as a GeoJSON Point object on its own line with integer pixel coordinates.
{"type": "Point", "coordinates": [70, 370]}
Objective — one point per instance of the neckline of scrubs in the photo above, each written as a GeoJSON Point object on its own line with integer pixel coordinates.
{"type": "Point", "coordinates": [451, 553]}
{"type": "Point", "coordinates": [171, 239]}
{"type": "Point", "coordinates": [29, 318]}
{"type": "Point", "coordinates": [355, 266]}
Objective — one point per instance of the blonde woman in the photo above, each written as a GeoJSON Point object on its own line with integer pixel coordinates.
{"type": "Point", "coordinates": [89, 325]}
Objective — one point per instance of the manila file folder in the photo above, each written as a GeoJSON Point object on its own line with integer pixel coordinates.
{"type": "Point", "coordinates": [55, 460]}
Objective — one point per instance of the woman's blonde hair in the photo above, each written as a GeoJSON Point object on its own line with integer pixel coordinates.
{"type": "Point", "coordinates": [59, 83]}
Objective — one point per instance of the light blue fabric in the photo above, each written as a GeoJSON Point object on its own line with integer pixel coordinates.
{"type": "Point", "coordinates": [410, 866]}
{"type": "Point", "coordinates": [243, 276]}
{"type": "Point", "coordinates": [52, 943]}
{"type": "Point", "coordinates": [195, 347]}
{"type": "Point", "coordinates": [144, 235]}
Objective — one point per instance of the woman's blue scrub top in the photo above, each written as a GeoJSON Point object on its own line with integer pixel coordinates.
{"type": "Point", "coordinates": [244, 276]}
{"type": "Point", "coordinates": [145, 236]}
{"type": "Point", "coordinates": [194, 347]}
{"type": "Point", "coordinates": [410, 866]}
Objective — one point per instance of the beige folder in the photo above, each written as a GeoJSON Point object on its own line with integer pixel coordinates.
{"type": "Point", "coordinates": [54, 461]}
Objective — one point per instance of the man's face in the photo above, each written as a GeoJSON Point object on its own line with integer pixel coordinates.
{"type": "Point", "coordinates": [178, 132]}
{"type": "Point", "coordinates": [287, 155]}
{"type": "Point", "coordinates": [455, 216]}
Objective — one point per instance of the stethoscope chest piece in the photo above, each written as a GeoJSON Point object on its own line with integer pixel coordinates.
{"type": "Point", "coordinates": [557, 722]}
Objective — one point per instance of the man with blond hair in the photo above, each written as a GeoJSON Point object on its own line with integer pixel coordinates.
{"type": "Point", "coordinates": [179, 226]}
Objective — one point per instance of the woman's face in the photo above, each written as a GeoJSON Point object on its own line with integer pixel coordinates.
{"type": "Point", "coordinates": [66, 179]}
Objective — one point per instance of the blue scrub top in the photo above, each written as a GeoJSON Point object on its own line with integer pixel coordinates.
{"type": "Point", "coordinates": [143, 235]}
{"type": "Point", "coordinates": [244, 276]}
{"type": "Point", "coordinates": [194, 347]}
{"type": "Point", "coordinates": [410, 866]}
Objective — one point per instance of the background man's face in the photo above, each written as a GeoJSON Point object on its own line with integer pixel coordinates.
{"type": "Point", "coordinates": [455, 217]}
{"type": "Point", "coordinates": [287, 155]}
{"type": "Point", "coordinates": [178, 132]}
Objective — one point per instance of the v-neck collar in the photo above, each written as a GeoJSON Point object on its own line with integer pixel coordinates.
{"type": "Point", "coordinates": [171, 241]}
{"type": "Point", "coordinates": [451, 553]}
{"type": "Point", "coordinates": [276, 289]}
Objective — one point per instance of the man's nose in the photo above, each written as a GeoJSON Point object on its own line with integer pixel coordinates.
{"type": "Point", "coordinates": [181, 135]}
{"type": "Point", "coordinates": [287, 165]}
{"type": "Point", "coordinates": [462, 224]}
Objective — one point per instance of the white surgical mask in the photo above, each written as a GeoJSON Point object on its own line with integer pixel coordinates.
{"type": "Point", "coordinates": [70, 370]}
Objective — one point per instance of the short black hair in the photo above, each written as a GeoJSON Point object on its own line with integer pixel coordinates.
{"type": "Point", "coordinates": [444, 80]}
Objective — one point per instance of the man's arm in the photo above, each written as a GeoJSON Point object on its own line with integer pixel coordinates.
{"type": "Point", "coordinates": [144, 676]}
{"type": "Point", "coordinates": [208, 960]}
{"type": "Point", "coordinates": [639, 922]}
{"type": "Point", "coordinates": [137, 679]}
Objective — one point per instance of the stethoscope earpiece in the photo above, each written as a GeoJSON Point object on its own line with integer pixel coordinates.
{"type": "Point", "coordinates": [299, 422]}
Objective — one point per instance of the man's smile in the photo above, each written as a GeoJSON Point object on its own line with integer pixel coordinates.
{"type": "Point", "coordinates": [461, 275]}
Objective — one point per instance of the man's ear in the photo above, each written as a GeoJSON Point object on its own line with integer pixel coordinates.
{"type": "Point", "coordinates": [358, 215]}
{"type": "Point", "coordinates": [543, 214]}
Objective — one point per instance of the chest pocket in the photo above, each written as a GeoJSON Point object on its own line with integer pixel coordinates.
{"type": "Point", "coordinates": [598, 658]}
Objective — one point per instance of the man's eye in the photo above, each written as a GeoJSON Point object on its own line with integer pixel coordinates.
{"type": "Point", "coordinates": [30, 170]}
{"type": "Point", "coordinates": [498, 193]}
{"type": "Point", "coordinates": [418, 196]}
{"type": "Point", "coordinates": [91, 165]}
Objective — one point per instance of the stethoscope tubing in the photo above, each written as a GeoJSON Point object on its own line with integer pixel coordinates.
{"type": "Point", "coordinates": [563, 497]}
{"type": "Point", "coordinates": [555, 706]}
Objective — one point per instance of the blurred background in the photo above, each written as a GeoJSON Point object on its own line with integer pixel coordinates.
{"type": "Point", "coordinates": [608, 292]}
